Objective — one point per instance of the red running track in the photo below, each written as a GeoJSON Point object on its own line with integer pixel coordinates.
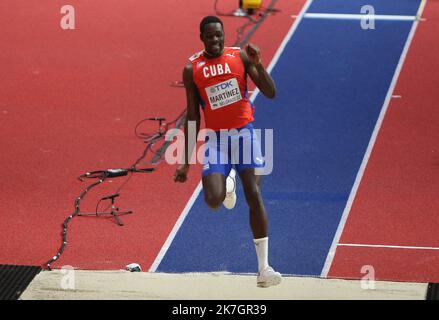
{"type": "Point", "coordinates": [397, 201]}
{"type": "Point", "coordinates": [69, 101]}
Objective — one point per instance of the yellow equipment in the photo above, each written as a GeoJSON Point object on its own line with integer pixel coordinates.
{"type": "Point", "coordinates": [251, 4]}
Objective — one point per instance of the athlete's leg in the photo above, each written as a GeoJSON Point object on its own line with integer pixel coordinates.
{"type": "Point", "coordinates": [251, 183]}
{"type": "Point", "coordinates": [252, 190]}
{"type": "Point", "coordinates": [214, 187]}
{"type": "Point", "coordinates": [216, 168]}
{"type": "Point", "coordinates": [259, 224]}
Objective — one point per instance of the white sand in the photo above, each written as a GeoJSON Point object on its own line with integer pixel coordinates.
{"type": "Point", "coordinates": [116, 285]}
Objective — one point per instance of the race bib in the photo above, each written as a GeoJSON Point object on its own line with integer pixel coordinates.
{"type": "Point", "coordinates": [223, 93]}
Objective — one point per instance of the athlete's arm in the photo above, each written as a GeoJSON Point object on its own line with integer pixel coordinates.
{"type": "Point", "coordinates": [251, 57]}
{"type": "Point", "coordinates": [193, 114]}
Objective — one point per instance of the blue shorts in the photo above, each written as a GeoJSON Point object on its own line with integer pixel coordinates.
{"type": "Point", "coordinates": [238, 148]}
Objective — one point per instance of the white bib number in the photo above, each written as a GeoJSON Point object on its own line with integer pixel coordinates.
{"type": "Point", "coordinates": [223, 93]}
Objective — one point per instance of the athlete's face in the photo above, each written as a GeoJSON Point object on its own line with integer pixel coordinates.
{"type": "Point", "coordinates": [213, 39]}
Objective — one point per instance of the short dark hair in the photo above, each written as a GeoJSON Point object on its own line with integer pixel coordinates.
{"type": "Point", "coordinates": [209, 19]}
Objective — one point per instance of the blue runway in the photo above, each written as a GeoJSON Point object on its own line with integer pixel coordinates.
{"type": "Point", "coordinates": [381, 7]}
{"type": "Point", "coordinates": [332, 79]}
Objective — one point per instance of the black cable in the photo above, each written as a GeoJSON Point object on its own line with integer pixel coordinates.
{"type": "Point", "coordinates": [120, 188]}
{"type": "Point", "coordinates": [240, 33]}
{"type": "Point", "coordinates": [103, 175]}
{"type": "Point", "coordinates": [97, 205]}
{"type": "Point", "coordinates": [256, 22]}
{"type": "Point", "coordinates": [270, 9]}
{"type": "Point", "coordinates": [241, 29]}
{"type": "Point", "coordinates": [67, 220]}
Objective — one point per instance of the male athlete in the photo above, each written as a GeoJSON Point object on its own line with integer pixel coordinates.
{"type": "Point", "coordinates": [216, 80]}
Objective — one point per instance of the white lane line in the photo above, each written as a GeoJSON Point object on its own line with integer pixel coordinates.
{"type": "Point", "coordinates": [197, 191]}
{"type": "Point", "coordinates": [385, 246]}
{"type": "Point", "coordinates": [336, 240]}
{"type": "Point", "coordinates": [339, 16]}
{"type": "Point", "coordinates": [177, 226]}
{"type": "Point", "coordinates": [421, 8]}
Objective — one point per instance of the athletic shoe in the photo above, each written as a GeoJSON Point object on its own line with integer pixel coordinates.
{"type": "Point", "coordinates": [268, 277]}
{"type": "Point", "coordinates": [230, 199]}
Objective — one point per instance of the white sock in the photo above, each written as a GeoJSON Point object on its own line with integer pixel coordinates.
{"type": "Point", "coordinates": [261, 246]}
